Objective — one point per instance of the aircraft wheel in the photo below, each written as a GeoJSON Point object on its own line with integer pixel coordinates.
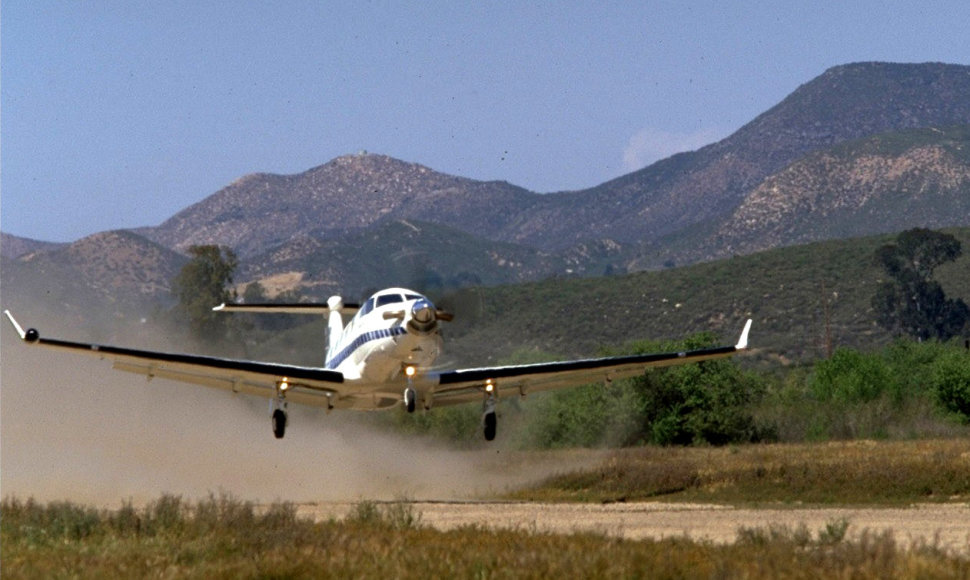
{"type": "Point", "coordinates": [279, 423]}
{"type": "Point", "coordinates": [410, 399]}
{"type": "Point", "coordinates": [491, 424]}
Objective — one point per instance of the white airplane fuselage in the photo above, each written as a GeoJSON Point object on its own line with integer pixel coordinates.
{"type": "Point", "coordinates": [395, 329]}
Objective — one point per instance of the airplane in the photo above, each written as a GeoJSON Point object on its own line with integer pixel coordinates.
{"type": "Point", "coordinates": [382, 358]}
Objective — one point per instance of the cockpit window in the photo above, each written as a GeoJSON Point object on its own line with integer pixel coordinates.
{"type": "Point", "coordinates": [368, 306]}
{"type": "Point", "coordinates": [412, 297]}
{"type": "Point", "coordinates": [386, 299]}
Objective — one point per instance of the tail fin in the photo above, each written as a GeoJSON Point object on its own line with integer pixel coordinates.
{"type": "Point", "coordinates": [335, 325]}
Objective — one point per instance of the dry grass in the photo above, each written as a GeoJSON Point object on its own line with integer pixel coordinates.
{"type": "Point", "coordinates": [222, 537]}
{"type": "Point", "coordinates": [859, 472]}
{"type": "Point", "coordinates": [225, 538]}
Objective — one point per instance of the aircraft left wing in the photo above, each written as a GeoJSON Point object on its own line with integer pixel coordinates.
{"type": "Point", "coordinates": [307, 385]}
{"type": "Point", "coordinates": [459, 386]}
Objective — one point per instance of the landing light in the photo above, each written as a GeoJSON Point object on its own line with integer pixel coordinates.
{"type": "Point", "coordinates": [409, 371]}
{"type": "Point", "coordinates": [284, 384]}
{"type": "Point", "coordinates": [489, 386]}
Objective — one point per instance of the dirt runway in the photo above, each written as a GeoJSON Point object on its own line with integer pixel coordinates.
{"type": "Point", "coordinates": [945, 525]}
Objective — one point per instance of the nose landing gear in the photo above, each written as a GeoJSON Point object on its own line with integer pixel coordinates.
{"type": "Point", "coordinates": [410, 395]}
{"type": "Point", "coordinates": [410, 399]}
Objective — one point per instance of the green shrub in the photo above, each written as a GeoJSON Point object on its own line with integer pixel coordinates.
{"type": "Point", "coordinates": [951, 383]}
{"type": "Point", "coordinates": [588, 416]}
{"type": "Point", "coordinates": [708, 402]}
{"type": "Point", "coordinates": [852, 377]}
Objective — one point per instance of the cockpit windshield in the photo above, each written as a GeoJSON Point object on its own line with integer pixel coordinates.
{"type": "Point", "coordinates": [385, 299]}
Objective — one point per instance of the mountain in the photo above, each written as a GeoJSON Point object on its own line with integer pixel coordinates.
{"type": "Point", "coordinates": [667, 200]}
{"type": "Point", "coordinates": [702, 187]}
{"type": "Point", "coordinates": [862, 149]}
{"type": "Point", "coordinates": [348, 194]}
{"type": "Point", "coordinates": [14, 247]}
{"type": "Point", "coordinates": [880, 184]}
{"type": "Point", "coordinates": [414, 254]}
{"type": "Point", "coordinates": [118, 269]}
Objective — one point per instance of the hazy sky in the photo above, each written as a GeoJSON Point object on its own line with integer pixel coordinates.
{"type": "Point", "coordinates": [119, 113]}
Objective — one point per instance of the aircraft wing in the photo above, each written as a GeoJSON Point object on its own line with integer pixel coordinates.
{"type": "Point", "coordinates": [460, 386]}
{"type": "Point", "coordinates": [307, 385]}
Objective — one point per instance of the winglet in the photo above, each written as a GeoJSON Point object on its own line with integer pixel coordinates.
{"type": "Point", "coordinates": [29, 335]}
{"type": "Point", "coordinates": [743, 341]}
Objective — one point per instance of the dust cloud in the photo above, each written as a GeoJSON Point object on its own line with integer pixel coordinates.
{"type": "Point", "coordinates": [72, 428]}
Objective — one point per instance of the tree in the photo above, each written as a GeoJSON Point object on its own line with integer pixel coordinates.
{"type": "Point", "coordinates": [911, 302]}
{"type": "Point", "coordinates": [204, 282]}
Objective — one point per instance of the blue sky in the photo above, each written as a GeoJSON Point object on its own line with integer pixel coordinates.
{"type": "Point", "coordinates": [118, 114]}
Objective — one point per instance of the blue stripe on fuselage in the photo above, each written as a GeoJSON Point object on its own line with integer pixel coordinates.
{"type": "Point", "coordinates": [361, 340]}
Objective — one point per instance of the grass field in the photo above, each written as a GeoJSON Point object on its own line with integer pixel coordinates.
{"type": "Point", "coordinates": [223, 537]}
{"type": "Point", "coordinates": [227, 538]}
{"type": "Point", "coordinates": [852, 472]}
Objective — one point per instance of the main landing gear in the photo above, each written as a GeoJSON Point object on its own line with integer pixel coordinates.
{"type": "Point", "coordinates": [489, 419]}
{"type": "Point", "coordinates": [279, 410]}
{"type": "Point", "coordinates": [279, 423]}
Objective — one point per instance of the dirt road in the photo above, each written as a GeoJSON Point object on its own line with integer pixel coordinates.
{"type": "Point", "coordinates": [946, 524]}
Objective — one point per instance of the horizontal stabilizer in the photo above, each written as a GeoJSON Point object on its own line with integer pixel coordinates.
{"type": "Point", "coordinates": [275, 308]}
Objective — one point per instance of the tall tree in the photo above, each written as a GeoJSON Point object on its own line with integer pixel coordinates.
{"type": "Point", "coordinates": [204, 282]}
{"type": "Point", "coordinates": [911, 301]}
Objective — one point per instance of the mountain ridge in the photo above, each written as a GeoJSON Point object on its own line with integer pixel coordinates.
{"type": "Point", "coordinates": [870, 132]}
{"type": "Point", "coordinates": [847, 102]}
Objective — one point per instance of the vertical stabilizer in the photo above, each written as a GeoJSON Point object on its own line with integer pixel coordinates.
{"type": "Point", "coordinates": [335, 325]}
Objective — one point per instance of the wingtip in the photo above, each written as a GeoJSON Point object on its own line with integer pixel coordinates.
{"type": "Point", "coordinates": [29, 335]}
{"type": "Point", "coordinates": [219, 308]}
{"type": "Point", "coordinates": [743, 341]}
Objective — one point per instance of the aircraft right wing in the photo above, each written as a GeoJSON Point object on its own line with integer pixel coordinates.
{"type": "Point", "coordinates": [459, 386]}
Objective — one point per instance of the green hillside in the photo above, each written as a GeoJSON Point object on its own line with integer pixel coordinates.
{"type": "Point", "coordinates": [797, 296]}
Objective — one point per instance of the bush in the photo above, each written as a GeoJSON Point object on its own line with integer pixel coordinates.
{"type": "Point", "coordinates": [898, 391]}
{"type": "Point", "coordinates": [852, 377]}
{"type": "Point", "coordinates": [951, 383]}
{"type": "Point", "coordinates": [588, 416]}
{"type": "Point", "coordinates": [707, 402]}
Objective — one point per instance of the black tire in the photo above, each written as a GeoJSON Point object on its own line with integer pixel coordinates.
{"type": "Point", "coordinates": [279, 423]}
{"type": "Point", "coordinates": [491, 426]}
{"type": "Point", "coordinates": [410, 400]}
